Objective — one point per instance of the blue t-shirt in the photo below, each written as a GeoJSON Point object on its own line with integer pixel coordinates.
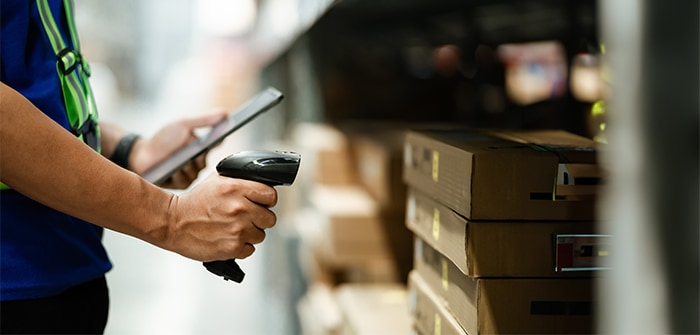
{"type": "Point", "coordinates": [43, 252]}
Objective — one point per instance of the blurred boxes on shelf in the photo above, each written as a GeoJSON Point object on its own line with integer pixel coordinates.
{"type": "Point", "coordinates": [319, 313]}
{"type": "Point", "coordinates": [378, 157]}
{"type": "Point", "coordinates": [334, 249]}
{"type": "Point", "coordinates": [326, 153]}
{"type": "Point", "coordinates": [370, 309]}
{"type": "Point", "coordinates": [355, 245]}
{"type": "Point", "coordinates": [355, 309]}
{"type": "Point", "coordinates": [351, 228]}
{"type": "Point", "coordinates": [377, 150]}
{"type": "Point", "coordinates": [360, 204]}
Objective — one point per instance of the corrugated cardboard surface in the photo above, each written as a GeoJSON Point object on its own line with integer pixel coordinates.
{"type": "Point", "coordinates": [379, 164]}
{"type": "Point", "coordinates": [348, 225]}
{"type": "Point", "coordinates": [328, 261]}
{"type": "Point", "coordinates": [508, 305]}
{"type": "Point", "coordinates": [429, 313]}
{"type": "Point", "coordinates": [326, 152]}
{"type": "Point", "coordinates": [355, 309]}
{"type": "Point", "coordinates": [490, 248]}
{"type": "Point", "coordinates": [319, 312]}
{"type": "Point", "coordinates": [372, 309]}
{"type": "Point", "coordinates": [484, 177]}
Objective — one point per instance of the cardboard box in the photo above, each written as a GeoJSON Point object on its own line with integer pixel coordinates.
{"type": "Point", "coordinates": [326, 156]}
{"type": "Point", "coordinates": [430, 316]}
{"type": "Point", "coordinates": [500, 248]}
{"type": "Point", "coordinates": [378, 159]}
{"type": "Point", "coordinates": [319, 312]}
{"type": "Point", "coordinates": [344, 236]}
{"type": "Point", "coordinates": [508, 305]}
{"type": "Point", "coordinates": [490, 175]}
{"type": "Point", "coordinates": [372, 309]}
{"type": "Point", "coordinates": [325, 260]}
{"type": "Point", "coordinates": [347, 222]}
{"type": "Point", "coordinates": [354, 309]}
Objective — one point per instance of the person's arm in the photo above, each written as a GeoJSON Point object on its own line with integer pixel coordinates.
{"type": "Point", "coordinates": [219, 219]}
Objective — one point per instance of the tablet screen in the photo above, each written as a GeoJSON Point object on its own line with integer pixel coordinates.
{"type": "Point", "coordinates": [260, 103]}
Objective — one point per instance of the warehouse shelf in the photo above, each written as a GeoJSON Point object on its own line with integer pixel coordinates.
{"type": "Point", "coordinates": [373, 61]}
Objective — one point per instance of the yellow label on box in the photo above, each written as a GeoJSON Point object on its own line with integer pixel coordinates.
{"type": "Point", "coordinates": [437, 328]}
{"type": "Point", "coordinates": [436, 165]}
{"type": "Point", "coordinates": [436, 224]}
{"type": "Point", "coordinates": [445, 269]}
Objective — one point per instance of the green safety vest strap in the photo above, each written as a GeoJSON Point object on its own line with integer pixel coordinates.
{"type": "Point", "coordinates": [70, 65]}
{"type": "Point", "coordinates": [73, 72]}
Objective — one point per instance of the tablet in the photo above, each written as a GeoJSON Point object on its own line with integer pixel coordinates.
{"type": "Point", "coordinates": [258, 104]}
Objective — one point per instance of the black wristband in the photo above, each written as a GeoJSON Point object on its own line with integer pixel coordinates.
{"type": "Point", "coordinates": [123, 150]}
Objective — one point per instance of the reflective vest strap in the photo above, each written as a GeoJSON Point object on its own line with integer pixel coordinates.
{"type": "Point", "coordinates": [67, 63]}
{"type": "Point", "coordinates": [50, 26]}
{"type": "Point", "coordinates": [89, 106]}
{"type": "Point", "coordinates": [68, 4]}
{"type": "Point", "coordinates": [77, 93]}
{"type": "Point", "coordinates": [73, 73]}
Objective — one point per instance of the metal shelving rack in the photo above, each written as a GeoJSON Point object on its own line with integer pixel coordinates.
{"type": "Point", "coordinates": [653, 205]}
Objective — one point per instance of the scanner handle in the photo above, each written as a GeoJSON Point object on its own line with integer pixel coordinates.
{"type": "Point", "coordinates": [228, 269]}
{"type": "Point", "coordinates": [288, 163]}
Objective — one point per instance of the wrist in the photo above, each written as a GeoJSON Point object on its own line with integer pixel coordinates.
{"type": "Point", "coordinates": [123, 150]}
{"type": "Point", "coordinates": [158, 231]}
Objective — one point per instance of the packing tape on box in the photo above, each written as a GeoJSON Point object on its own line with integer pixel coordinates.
{"type": "Point", "coordinates": [437, 325]}
{"type": "Point", "coordinates": [436, 224]}
{"type": "Point", "coordinates": [436, 165]}
{"type": "Point", "coordinates": [445, 271]}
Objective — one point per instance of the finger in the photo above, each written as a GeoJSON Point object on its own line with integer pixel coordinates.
{"type": "Point", "coordinates": [178, 181]}
{"type": "Point", "coordinates": [200, 162]}
{"type": "Point", "coordinates": [188, 138]}
{"type": "Point", "coordinates": [245, 251]}
{"type": "Point", "coordinates": [255, 235]}
{"type": "Point", "coordinates": [190, 172]}
{"type": "Point", "coordinates": [265, 220]}
{"type": "Point", "coordinates": [204, 120]}
{"type": "Point", "coordinates": [166, 182]}
{"type": "Point", "coordinates": [260, 193]}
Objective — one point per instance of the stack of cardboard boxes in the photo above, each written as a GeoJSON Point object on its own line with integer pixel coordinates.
{"type": "Point", "coordinates": [505, 231]}
{"type": "Point", "coordinates": [353, 199]}
{"type": "Point", "coordinates": [355, 248]}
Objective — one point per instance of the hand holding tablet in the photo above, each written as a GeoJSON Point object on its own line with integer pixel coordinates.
{"type": "Point", "coordinates": [258, 104]}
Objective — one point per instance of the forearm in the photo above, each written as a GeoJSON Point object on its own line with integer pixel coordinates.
{"type": "Point", "coordinates": [48, 164]}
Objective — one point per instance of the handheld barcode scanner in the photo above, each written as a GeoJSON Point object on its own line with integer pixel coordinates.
{"type": "Point", "coordinates": [274, 168]}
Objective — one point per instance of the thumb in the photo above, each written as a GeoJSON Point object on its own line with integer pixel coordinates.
{"type": "Point", "coordinates": [209, 119]}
